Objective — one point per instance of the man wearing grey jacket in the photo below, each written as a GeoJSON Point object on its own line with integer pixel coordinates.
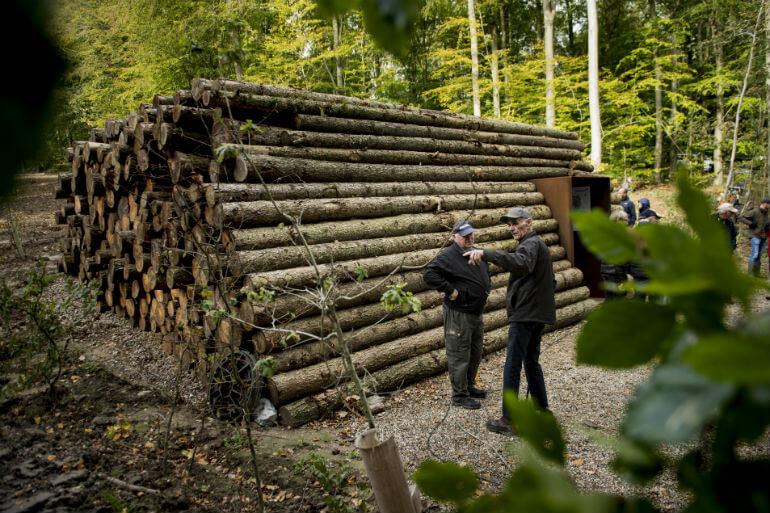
{"type": "Point", "coordinates": [530, 304]}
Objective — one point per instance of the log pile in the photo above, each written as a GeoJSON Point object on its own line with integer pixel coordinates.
{"type": "Point", "coordinates": [228, 216]}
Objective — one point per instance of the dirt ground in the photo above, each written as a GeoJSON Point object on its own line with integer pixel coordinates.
{"type": "Point", "coordinates": [117, 440]}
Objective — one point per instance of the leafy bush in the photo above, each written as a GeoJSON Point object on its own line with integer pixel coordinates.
{"type": "Point", "coordinates": [710, 387]}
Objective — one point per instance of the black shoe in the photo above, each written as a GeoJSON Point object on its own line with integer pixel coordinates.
{"type": "Point", "coordinates": [466, 402]}
{"type": "Point", "coordinates": [500, 426]}
{"type": "Point", "coordinates": [477, 393]}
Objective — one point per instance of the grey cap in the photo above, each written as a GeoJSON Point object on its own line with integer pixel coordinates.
{"type": "Point", "coordinates": [463, 228]}
{"type": "Point", "coordinates": [515, 213]}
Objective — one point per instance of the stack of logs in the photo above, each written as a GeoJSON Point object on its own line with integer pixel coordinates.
{"type": "Point", "coordinates": [182, 212]}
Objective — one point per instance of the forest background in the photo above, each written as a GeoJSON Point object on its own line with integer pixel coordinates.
{"type": "Point", "coordinates": [676, 75]}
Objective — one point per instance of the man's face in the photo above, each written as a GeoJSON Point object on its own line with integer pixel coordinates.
{"type": "Point", "coordinates": [623, 194]}
{"type": "Point", "coordinates": [725, 214]}
{"type": "Point", "coordinates": [764, 206]}
{"type": "Point", "coordinates": [519, 227]}
{"type": "Point", "coordinates": [465, 241]}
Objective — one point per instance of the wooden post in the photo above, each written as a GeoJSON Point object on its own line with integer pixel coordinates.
{"type": "Point", "coordinates": [386, 474]}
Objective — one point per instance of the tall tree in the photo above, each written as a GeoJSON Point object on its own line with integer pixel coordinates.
{"type": "Point", "coordinates": [337, 39]}
{"type": "Point", "coordinates": [495, 75]}
{"type": "Point", "coordinates": [474, 58]}
{"type": "Point", "coordinates": [767, 91]}
{"type": "Point", "coordinates": [549, 13]}
{"type": "Point", "coordinates": [593, 85]}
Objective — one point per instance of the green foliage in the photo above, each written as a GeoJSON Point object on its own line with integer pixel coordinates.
{"type": "Point", "coordinates": [396, 298]}
{"type": "Point", "coordinates": [447, 482]}
{"type": "Point", "coordinates": [36, 328]}
{"type": "Point", "coordinates": [709, 388]}
{"type": "Point", "coordinates": [360, 273]}
{"type": "Point", "coordinates": [261, 297]}
{"type": "Point", "coordinates": [266, 366]}
{"type": "Point", "coordinates": [334, 478]}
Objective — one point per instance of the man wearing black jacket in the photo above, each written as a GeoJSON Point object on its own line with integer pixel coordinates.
{"type": "Point", "coordinates": [531, 305]}
{"type": "Point", "coordinates": [465, 289]}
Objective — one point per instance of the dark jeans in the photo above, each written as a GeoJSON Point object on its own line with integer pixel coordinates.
{"type": "Point", "coordinates": [464, 339]}
{"type": "Point", "coordinates": [524, 347]}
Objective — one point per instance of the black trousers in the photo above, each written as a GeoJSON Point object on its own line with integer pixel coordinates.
{"type": "Point", "coordinates": [524, 348]}
{"type": "Point", "coordinates": [464, 339]}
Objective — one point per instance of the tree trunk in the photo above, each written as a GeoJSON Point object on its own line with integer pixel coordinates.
{"type": "Point", "coordinates": [463, 142]}
{"type": "Point", "coordinates": [231, 192]}
{"type": "Point", "coordinates": [719, 177]}
{"type": "Point", "coordinates": [474, 58]}
{"type": "Point", "coordinates": [593, 86]}
{"type": "Point", "coordinates": [314, 352]}
{"type": "Point", "coordinates": [256, 168]}
{"type": "Point", "coordinates": [411, 131]}
{"type": "Point", "coordinates": [337, 39]}
{"type": "Point", "coordinates": [408, 371]}
{"type": "Point", "coordinates": [261, 213]}
{"type": "Point", "coordinates": [360, 229]}
{"type": "Point", "coordinates": [767, 93]}
{"type": "Point", "coordinates": [674, 122]}
{"type": "Point", "coordinates": [731, 172]}
{"type": "Point", "coordinates": [345, 271]}
{"type": "Point", "coordinates": [250, 106]}
{"type": "Point", "coordinates": [495, 77]}
{"type": "Point", "coordinates": [244, 262]}
{"type": "Point", "coordinates": [549, 13]}
{"type": "Point", "coordinates": [512, 156]}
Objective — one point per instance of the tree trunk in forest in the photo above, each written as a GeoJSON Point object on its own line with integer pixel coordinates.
{"type": "Point", "coordinates": [337, 39]}
{"type": "Point", "coordinates": [549, 13]}
{"type": "Point", "coordinates": [495, 76]}
{"type": "Point", "coordinates": [767, 94]}
{"type": "Point", "coordinates": [731, 171]}
{"type": "Point", "coordinates": [719, 124]}
{"type": "Point", "coordinates": [261, 213]}
{"type": "Point", "coordinates": [256, 168]}
{"type": "Point", "coordinates": [474, 58]}
{"type": "Point", "coordinates": [658, 154]}
{"type": "Point", "coordinates": [674, 122]}
{"type": "Point", "coordinates": [593, 86]}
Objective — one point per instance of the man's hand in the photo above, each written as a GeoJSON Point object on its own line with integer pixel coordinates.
{"type": "Point", "coordinates": [475, 256]}
{"type": "Point", "coordinates": [454, 295]}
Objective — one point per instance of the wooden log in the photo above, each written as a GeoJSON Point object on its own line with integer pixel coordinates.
{"type": "Point", "coordinates": [242, 262]}
{"type": "Point", "coordinates": [182, 165]}
{"type": "Point", "coordinates": [384, 469]}
{"type": "Point", "coordinates": [256, 168]}
{"type": "Point", "coordinates": [410, 370]}
{"type": "Point", "coordinates": [308, 122]}
{"type": "Point", "coordinates": [345, 271]}
{"type": "Point", "coordinates": [359, 229]}
{"type": "Point", "coordinates": [513, 156]}
{"type": "Point", "coordinates": [231, 192]}
{"type": "Point", "coordinates": [261, 213]}
{"type": "Point", "coordinates": [171, 137]}
{"type": "Point", "coordinates": [347, 107]}
{"type": "Point", "coordinates": [229, 131]}
{"type": "Point", "coordinates": [363, 317]}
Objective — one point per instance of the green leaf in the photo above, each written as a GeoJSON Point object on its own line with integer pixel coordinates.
{"type": "Point", "coordinates": [536, 426]}
{"type": "Point", "coordinates": [732, 357]}
{"type": "Point", "coordinates": [674, 405]}
{"type": "Point", "coordinates": [330, 8]}
{"type": "Point", "coordinates": [624, 333]}
{"type": "Point", "coordinates": [391, 23]}
{"type": "Point", "coordinates": [610, 241]}
{"type": "Point", "coordinates": [446, 481]}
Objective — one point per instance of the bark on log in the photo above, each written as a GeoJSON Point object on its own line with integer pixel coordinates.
{"type": "Point", "coordinates": [410, 370]}
{"type": "Point", "coordinates": [228, 131]}
{"type": "Point", "coordinates": [182, 165]}
{"type": "Point", "coordinates": [316, 351]}
{"type": "Point", "coordinates": [244, 262]}
{"type": "Point", "coordinates": [230, 192]}
{"type": "Point", "coordinates": [261, 213]}
{"type": "Point", "coordinates": [275, 168]}
{"type": "Point", "coordinates": [346, 107]}
{"type": "Point", "coordinates": [359, 229]}
{"type": "Point", "coordinates": [363, 316]}
{"type": "Point", "coordinates": [345, 271]}
{"type": "Point", "coordinates": [513, 156]}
